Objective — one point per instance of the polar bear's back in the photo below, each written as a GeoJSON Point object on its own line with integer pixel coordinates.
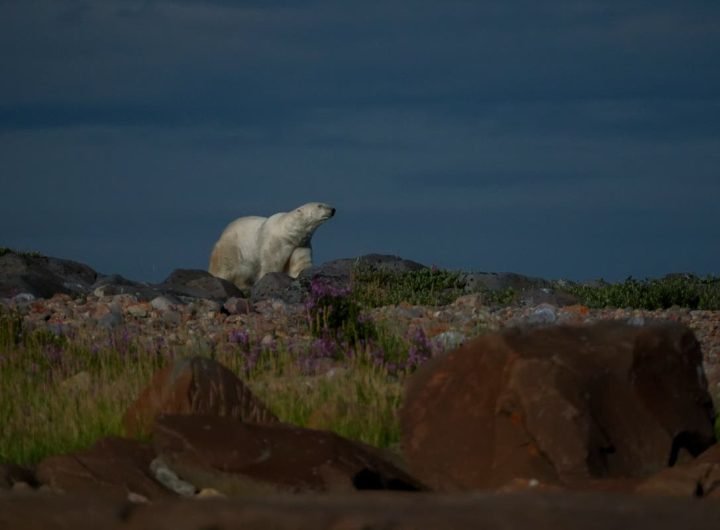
{"type": "Point", "coordinates": [243, 231]}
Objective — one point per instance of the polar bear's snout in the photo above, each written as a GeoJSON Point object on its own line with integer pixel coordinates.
{"type": "Point", "coordinates": [327, 211]}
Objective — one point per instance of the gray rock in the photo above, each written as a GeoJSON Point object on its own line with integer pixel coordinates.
{"type": "Point", "coordinates": [168, 478]}
{"type": "Point", "coordinates": [198, 283]}
{"type": "Point", "coordinates": [42, 276]}
{"type": "Point", "coordinates": [280, 286]}
{"type": "Point", "coordinates": [115, 284]}
{"type": "Point", "coordinates": [496, 281]}
{"type": "Point", "coordinates": [338, 273]}
{"type": "Point", "coordinates": [111, 320]}
{"type": "Point", "coordinates": [548, 295]}
{"type": "Point", "coordinates": [543, 314]}
{"type": "Point", "coordinates": [165, 302]}
{"type": "Point", "coordinates": [23, 298]}
{"type": "Point", "coordinates": [342, 268]}
{"type": "Point", "coordinates": [172, 317]}
{"type": "Point", "coordinates": [448, 340]}
{"type": "Point", "coordinates": [237, 306]}
{"type": "Point", "coordinates": [636, 320]}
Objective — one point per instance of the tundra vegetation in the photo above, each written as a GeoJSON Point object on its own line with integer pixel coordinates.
{"type": "Point", "coordinates": [46, 407]}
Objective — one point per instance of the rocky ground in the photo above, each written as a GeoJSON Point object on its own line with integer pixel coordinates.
{"type": "Point", "coordinates": [203, 325]}
{"type": "Point", "coordinates": [541, 414]}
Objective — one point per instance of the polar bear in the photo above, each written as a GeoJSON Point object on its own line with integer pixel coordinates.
{"type": "Point", "coordinates": [250, 247]}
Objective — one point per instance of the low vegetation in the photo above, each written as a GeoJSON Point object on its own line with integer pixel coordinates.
{"type": "Point", "coordinates": [31, 254]}
{"type": "Point", "coordinates": [679, 290]}
{"type": "Point", "coordinates": [59, 393]}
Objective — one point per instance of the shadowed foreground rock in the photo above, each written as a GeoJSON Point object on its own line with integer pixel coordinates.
{"type": "Point", "coordinates": [563, 405]}
{"type": "Point", "coordinates": [699, 478]}
{"type": "Point", "coordinates": [194, 386]}
{"type": "Point", "coordinates": [113, 467]}
{"type": "Point", "coordinates": [381, 511]}
{"type": "Point", "coordinates": [239, 458]}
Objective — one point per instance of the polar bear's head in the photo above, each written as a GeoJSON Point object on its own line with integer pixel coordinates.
{"type": "Point", "coordinates": [314, 214]}
{"type": "Point", "coordinates": [301, 223]}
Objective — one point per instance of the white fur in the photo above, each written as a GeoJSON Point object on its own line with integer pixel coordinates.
{"type": "Point", "coordinates": [251, 247]}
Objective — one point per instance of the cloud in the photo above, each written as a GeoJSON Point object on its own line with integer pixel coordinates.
{"type": "Point", "coordinates": [427, 119]}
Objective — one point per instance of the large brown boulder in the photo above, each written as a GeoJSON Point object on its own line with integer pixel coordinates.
{"type": "Point", "coordinates": [240, 458]}
{"type": "Point", "coordinates": [563, 405]}
{"type": "Point", "coordinates": [196, 385]}
{"type": "Point", "coordinates": [113, 467]}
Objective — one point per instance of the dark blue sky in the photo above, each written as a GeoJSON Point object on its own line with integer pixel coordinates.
{"type": "Point", "coordinates": [575, 139]}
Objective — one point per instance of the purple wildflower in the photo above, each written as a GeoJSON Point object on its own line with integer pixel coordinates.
{"type": "Point", "coordinates": [241, 337]}
{"type": "Point", "coordinates": [420, 348]}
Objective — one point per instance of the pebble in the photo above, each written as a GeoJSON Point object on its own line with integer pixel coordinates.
{"type": "Point", "coordinates": [139, 310]}
{"type": "Point", "coordinates": [448, 340]}
{"type": "Point", "coordinates": [170, 480]}
{"type": "Point", "coordinates": [110, 321]}
{"type": "Point", "coordinates": [163, 303]}
{"type": "Point", "coordinates": [543, 314]}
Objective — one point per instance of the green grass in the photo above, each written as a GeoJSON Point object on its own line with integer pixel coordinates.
{"type": "Point", "coordinates": [44, 412]}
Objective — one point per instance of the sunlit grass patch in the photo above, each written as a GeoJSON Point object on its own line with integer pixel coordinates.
{"type": "Point", "coordinates": [61, 393]}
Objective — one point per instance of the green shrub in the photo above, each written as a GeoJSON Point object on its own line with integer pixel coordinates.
{"type": "Point", "coordinates": [678, 290]}
{"type": "Point", "coordinates": [373, 287]}
{"type": "Point", "coordinates": [333, 313]}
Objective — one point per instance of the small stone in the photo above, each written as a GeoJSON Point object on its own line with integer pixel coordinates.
{"type": "Point", "coordinates": [170, 480]}
{"type": "Point", "coordinates": [23, 298]}
{"type": "Point", "coordinates": [172, 317]}
{"type": "Point", "coordinates": [448, 340]}
{"type": "Point", "coordinates": [268, 342]}
{"type": "Point", "coordinates": [163, 303]}
{"type": "Point", "coordinates": [111, 320]}
{"type": "Point", "coordinates": [543, 314]}
{"type": "Point", "coordinates": [208, 493]}
{"type": "Point", "coordinates": [139, 310]}
{"type": "Point", "coordinates": [21, 486]}
{"type": "Point", "coordinates": [473, 300]}
{"type": "Point", "coordinates": [136, 498]}
{"type": "Point", "coordinates": [237, 306]}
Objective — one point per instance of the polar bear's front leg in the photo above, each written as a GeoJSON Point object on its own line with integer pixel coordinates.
{"type": "Point", "coordinates": [274, 256]}
{"type": "Point", "coordinates": [300, 259]}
